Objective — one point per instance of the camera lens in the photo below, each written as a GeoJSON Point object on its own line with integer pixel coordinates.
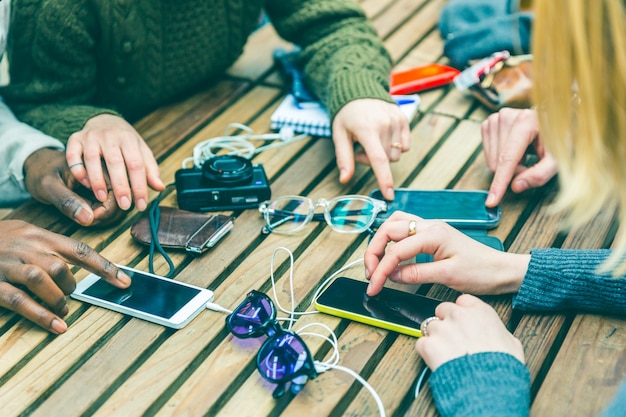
{"type": "Point", "coordinates": [228, 169]}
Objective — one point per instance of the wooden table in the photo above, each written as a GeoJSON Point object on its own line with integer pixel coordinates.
{"type": "Point", "coordinates": [109, 364]}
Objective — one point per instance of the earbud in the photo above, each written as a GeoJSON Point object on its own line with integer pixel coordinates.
{"type": "Point", "coordinates": [286, 133]}
{"type": "Point", "coordinates": [320, 367]}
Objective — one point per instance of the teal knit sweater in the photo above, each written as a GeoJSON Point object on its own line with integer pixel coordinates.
{"type": "Point", "coordinates": [494, 384]}
{"type": "Point", "coordinates": [73, 59]}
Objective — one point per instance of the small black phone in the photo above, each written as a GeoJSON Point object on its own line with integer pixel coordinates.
{"type": "Point", "coordinates": [460, 208]}
{"type": "Point", "coordinates": [395, 310]}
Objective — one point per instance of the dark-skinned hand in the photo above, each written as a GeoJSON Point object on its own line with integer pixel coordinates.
{"type": "Point", "coordinates": [49, 180]}
{"type": "Point", "coordinates": [34, 261]}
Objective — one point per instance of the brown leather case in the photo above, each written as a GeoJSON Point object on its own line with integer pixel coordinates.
{"type": "Point", "coordinates": [509, 85]}
{"type": "Point", "coordinates": [181, 229]}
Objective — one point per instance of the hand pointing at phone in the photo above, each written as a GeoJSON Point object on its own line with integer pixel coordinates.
{"type": "Point", "coordinates": [34, 261]}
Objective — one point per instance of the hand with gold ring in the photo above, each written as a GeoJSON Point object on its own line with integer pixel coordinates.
{"type": "Point", "coordinates": [466, 327]}
{"type": "Point", "coordinates": [382, 131]}
{"type": "Point", "coordinates": [412, 227]}
{"type": "Point", "coordinates": [459, 261]}
{"type": "Point", "coordinates": [395, 151]}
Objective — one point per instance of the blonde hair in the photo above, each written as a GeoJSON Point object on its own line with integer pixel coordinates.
{"type": "Point", "coordinates": [579, 48]}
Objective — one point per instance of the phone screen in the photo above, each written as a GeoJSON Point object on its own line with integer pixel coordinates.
{"type": "Point", "coordinates": [346, 297]}
{"type": "Point", "coordinates": [159, 297]}
{"type": "Point", "coordinates": [457, 207]}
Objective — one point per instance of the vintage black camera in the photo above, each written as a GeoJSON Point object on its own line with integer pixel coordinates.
{"type": "Point", "coordinates": [225, 182]}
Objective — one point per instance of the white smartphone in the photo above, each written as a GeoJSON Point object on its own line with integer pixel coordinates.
{"type": "Point", "coordinates": [150, 297]}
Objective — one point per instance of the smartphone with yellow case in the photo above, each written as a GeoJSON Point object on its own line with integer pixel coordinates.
{"type": "Point", "coordinates": [391, 309]}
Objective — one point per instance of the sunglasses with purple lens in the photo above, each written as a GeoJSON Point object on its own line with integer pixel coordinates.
{"type": "Point", "coordinates": [284, 357]}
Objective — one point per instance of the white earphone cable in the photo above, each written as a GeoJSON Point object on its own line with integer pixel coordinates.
{"type": "Point", "coordinates": [332, 362]}
{"type": "Point", "coordinates": [239, 144]}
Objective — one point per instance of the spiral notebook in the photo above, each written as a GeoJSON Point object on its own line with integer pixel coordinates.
{"type": "Point", "coordinates": [312, 118]}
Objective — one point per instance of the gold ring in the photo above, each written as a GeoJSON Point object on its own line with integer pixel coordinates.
{"type": "Point", "coordinates": [425, 323]}
{"type": "Point", "coordinates": [396, 145]}
{"type": "Point", "coordinates": [412, 227]}
{"type": "Point", "coordinates": [75, 165]}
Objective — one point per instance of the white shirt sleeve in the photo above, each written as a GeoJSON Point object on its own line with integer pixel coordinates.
{"type": "Point", "coordinates": [5, 13]}
{"type": "Point", "coordinates": [17, 142]}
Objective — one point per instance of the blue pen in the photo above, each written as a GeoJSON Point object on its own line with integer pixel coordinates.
{"type": "Point", "coordinates": [402, 101]}
{"type": "Point", "coordinates": [308, 104]}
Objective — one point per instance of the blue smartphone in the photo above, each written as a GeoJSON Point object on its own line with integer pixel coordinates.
{"type": "Point", "coordinates": [476, 234]}
{"type": "Point", "coordinates": [460, 208]}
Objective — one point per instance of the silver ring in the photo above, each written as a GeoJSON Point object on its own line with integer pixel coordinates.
{"type": "Point", "coordinates": [76, 164]}
{"type": "Point", "coordinates": [425, 323]}
{"type": "Point", "coordinates": [412, 227]}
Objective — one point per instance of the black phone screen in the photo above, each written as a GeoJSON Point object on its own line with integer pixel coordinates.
{"type": "Point", "coordinates": [159, 297]}
{"type": "Point", "coordinates": [394, 306]}
{"type": "Point", "coordinates": [465, 208]}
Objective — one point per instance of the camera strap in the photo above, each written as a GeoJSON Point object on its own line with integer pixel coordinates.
{"type": "Point", "coordinates": [154, 216]}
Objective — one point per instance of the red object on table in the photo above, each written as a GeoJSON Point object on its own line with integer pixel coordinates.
{"type": "Point", "coordinates": [421, 78]}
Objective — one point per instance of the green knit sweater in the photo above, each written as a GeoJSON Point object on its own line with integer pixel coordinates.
{"type": "Point", "coordinates": [73, 59]}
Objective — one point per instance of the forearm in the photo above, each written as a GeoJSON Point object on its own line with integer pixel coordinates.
{"type": "Point", "coordinates": [54, 67]}
{"type": "Point", "coordinates": [482, 385]}
{"type": "Point", "coordinates": [343, 57]}
{"type": "Point", "coordinates": [560, 280]}
{"type": "Point", "coordinates": [61, 121]}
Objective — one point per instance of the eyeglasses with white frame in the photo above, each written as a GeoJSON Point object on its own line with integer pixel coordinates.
{"type": "Point", "coordinates": [345, 214]}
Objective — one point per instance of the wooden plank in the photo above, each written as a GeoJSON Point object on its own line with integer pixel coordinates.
{"type": "Point", "coordinates": [320, 395]}
{"type": "Point", "coordinates": [590, 338]}
{"type": "Point", "coordinates": [587, 371]}
{"type": "Point", "coordinates": [454, 152]}
{"type": "Point", "coordinates": [392, 17]}
{"type": "Point", "coordinates": [223, 252]}
{"type": "Point", "coordinates": [373, 7]}
{"type": "Point", "coordinates": [414, 29]}
{"type": "Point", "coordinates": [234, 290]}
{"type": "Point", "coordinates": [257, 58]}
{"type": "Point", "coordinates": [144, 369]}
{"type": "Point", "coordinates": [108, 362]}
{"type": "Point", "coordinates": [455, 103]}
{"type": "Point", "coordinates": [539, 332]}
{"type": "Point", "coordinates": [395, 380]}
{"type": "Point", "coordinates": [24, 387]}
{"type": "Point", "coordinates": [394, 390]}
{"type": "Point", "coordinates": [122, 250]}
{"type": "Point", "coordinates": [161, 368]}
{"type": "Point", "coordinates": [424, 137]}
{"type": "Point", "coordinates": [429, 50]}
{"type": "Point", "coordinates": [167, 126]}
{"type": "Point", "coordinates": [162, 130]}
